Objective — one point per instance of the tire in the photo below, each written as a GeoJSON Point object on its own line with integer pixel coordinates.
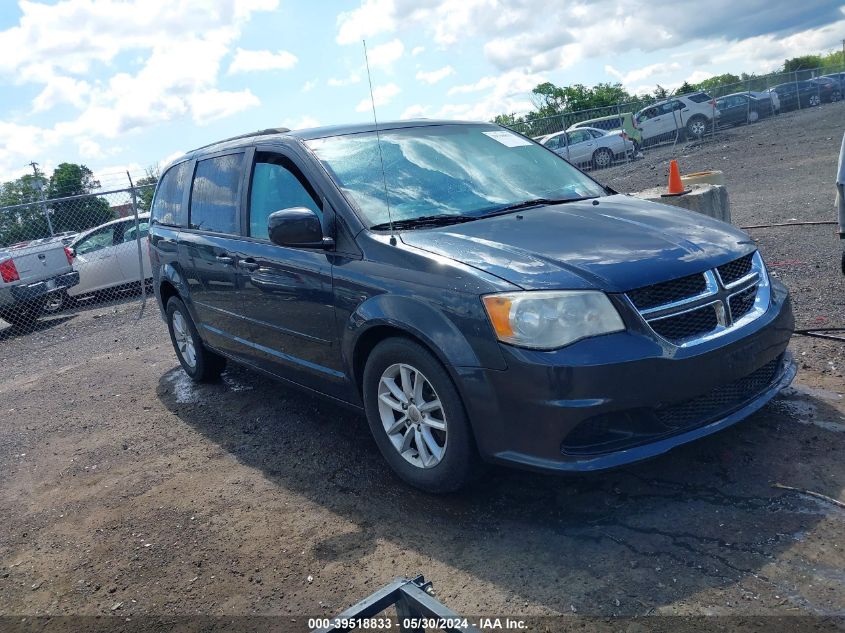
{"type": "Point", "coordinates": [814, 100]}
{"type": "Point", "coordinates": [22, 316]}
{"type": "Point", "coordinates": [835, 96]}
{"type": "Point", "coordinates": [753, 116]}
{"type": "Point", "coordinates": [602, 158]}
{"type": "Point", "coordinates": [54, 302]}
{"type": "Point", "coordinates": [199, 362]}
{"type": "Point", "coordinates": [412, 448]}
{"type": "Point", "coordinates": [696, 127]}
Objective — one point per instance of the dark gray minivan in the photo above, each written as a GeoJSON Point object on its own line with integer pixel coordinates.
{"type": "Point", "coordinates": [478, 297]}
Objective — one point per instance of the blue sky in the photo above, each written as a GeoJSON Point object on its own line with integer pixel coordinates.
{"type": "Point", "coordinates": [125, 84]}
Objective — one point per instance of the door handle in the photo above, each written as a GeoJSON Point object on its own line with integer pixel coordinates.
{"type": "Point", "coordinates": [249, 264]}
{"type": "Point", "coordinates": [226, 259]}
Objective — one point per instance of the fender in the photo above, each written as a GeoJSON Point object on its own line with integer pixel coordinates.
{"type": "Point", "coordinates": [170, 272]}
{"type": "Point", "coordinates": [430, 323]}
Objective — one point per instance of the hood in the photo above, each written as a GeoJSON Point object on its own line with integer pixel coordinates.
{"type": "Point", "coordinates": [617, 245]}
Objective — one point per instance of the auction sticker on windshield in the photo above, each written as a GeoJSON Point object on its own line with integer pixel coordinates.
{"type": "Point", "coordinates": [508, 138]}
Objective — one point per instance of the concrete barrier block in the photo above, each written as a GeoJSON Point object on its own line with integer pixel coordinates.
{"type": "Point", "coordinates": [709, 200]}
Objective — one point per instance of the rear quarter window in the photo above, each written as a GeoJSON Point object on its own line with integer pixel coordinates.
{"type": "Point", "coordinates": [167, 206]}
{"type": "Point", "coordinates": [699, 97]}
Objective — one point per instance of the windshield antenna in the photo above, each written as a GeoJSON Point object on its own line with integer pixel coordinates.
{"type": "Point", "coordinates": [378, 142]}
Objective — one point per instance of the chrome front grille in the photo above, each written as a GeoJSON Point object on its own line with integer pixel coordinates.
{"type": "Point", "coordinates": [696, 308]}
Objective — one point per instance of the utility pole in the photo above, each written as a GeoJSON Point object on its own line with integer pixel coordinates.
{"type": "Point", "coordinates": [40, 187]}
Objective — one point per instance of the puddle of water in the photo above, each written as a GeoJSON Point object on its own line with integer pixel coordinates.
{"type": "Point", "coordinates": [795, 402]}
{"type": "Point", "coordinates": [234, 384]}
{"type": "Point", "coordinates": [183, 388]}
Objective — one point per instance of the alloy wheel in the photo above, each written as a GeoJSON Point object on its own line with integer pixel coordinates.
{"type": "Point", "coordinates": [184, 340]}
{"type": "Point", "coordinates": [603, 158]}
{"type": "Point", "coordinates": [814, 100]}
{"type": "Point", "coordinates": [412, 415]}
{"type": "Point", "coordinates": [698, 128]}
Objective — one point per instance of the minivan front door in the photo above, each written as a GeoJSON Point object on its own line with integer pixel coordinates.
{"type": "Point", "coordinates": [287, 292]}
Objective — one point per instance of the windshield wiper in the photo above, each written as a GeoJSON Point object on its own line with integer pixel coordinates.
{"type": "Point", "coordinates": [533, 202]}
{"type": "Point", "coordinates": [441, 219]}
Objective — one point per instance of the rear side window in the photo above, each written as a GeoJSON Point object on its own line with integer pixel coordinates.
{"type": "Point", "coordinates": [215, 194]}
{"type": "Point", "coordinates": [167, 207]}
{"type": "Point", "coordinates": [699, 97]}
{"type": "Point", "coordinates": [276, 185]}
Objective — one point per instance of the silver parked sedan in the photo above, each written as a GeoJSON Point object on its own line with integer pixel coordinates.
{"type": "Point", "coordinates": [590, 146]}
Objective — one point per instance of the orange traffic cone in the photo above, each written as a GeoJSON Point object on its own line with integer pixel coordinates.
{"type": "Point", "coordinates": [676, 187]}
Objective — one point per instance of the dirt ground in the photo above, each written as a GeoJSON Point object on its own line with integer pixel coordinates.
{"type": "Point", "coordinates": [127, 491]}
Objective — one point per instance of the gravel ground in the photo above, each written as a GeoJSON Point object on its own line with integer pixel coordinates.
{"type": "Point", "coordinates": [127, 491]}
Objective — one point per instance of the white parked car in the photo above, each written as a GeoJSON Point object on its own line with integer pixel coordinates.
{"type": "Point", "coordinates": [590, 146]}
{"type": "Point", "coordinates": [107, 256]}
{"type": "Point", "coordinates": [691, 114]}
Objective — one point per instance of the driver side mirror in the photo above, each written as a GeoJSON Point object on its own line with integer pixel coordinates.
{"type": "Point", "coordinates": [297, 227]}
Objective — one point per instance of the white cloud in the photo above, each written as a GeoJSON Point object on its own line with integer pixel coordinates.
{"type": "Point", "coordinates": [433, 76]}
{"type": "Point", "coordinates": [654, 72]}
{"type": "Point", "coordinates": [414, 112]}
{"type": "Point", "coordinates": [178, 49]}
{"type": "Point", "coordinates": [371, 18]}
{"type": "Point", "coordinates": [492, 95]}
{"type": "Point", "coordinates": [61, 90]}
{"type": "Point", "coordinates": [215, 104]}
{"type": "Point", "coordinates": [250, 61]}
{"type": "Point", "coordinates": [385, 54]}
{"type": "Point", "coordinates": [382, 95]}
{"type": "Point", "coordinates": [417, 50]}
{"type": "Point", "coordinates": [303, 122]}
{"type": "Point", "coordinates": [354, 78]}
{"type": "Point", "coordinates": [536, 35]}
{"type": "Point", "coordinates": [309, 85]}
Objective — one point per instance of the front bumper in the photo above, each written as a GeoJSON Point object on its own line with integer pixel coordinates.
{"type": "Point", "coordinates": [616, 399]}
{"type": "Point", "coordinates": [32, 292]}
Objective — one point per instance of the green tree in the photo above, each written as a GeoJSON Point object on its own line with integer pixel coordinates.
{"type": "Point", "coordinates": [70, 179]}
{"type": "Point", "coordinates": [685, 88]}
{"type": "Point", "coordinates": [803, 62]}
{"type": "Point", "coordinates": [23, 222]}
{"type": "Point", "coordinates": [147, 187]}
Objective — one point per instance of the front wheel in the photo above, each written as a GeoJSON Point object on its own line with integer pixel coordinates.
{"type": "Point", "coordinates": [815, 100]}
{"type": "Point", "coordinates": [199, 362]}
{"type": "Point", "coordinates": [602, 158]}
{"type": "Point", "coordinates": [835, 96]}
{"type": "Point", "coordinates": [417, 417]}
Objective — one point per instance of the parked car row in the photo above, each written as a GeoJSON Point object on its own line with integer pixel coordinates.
{"type": "Point", "coordinates": [696, 114]}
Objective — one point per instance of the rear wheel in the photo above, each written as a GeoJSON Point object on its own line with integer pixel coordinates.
{"type": "Point", "coordinates": [199, 362]}
{"type": "Point", "coordinates": [54, 302]}
{"type": "Point", "coordinates": [602, 158]}
{"type": "Point", "coordinates": [835, 96]}
{"type": "Point", "coordinates": [815, 100]}
{"type": "Point", "coordinates": [417, 418]}
{"type": "Point", "coordinates": [753, 116]}
{"type": "Point", "coordinates": [697, 126]}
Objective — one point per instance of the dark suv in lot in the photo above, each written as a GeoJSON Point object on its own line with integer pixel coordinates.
{"type": "Point", "coordinates": [478, 297]}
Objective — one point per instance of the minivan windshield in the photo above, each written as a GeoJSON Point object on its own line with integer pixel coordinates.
{"type": "Point", "coordinates": [458, 172]}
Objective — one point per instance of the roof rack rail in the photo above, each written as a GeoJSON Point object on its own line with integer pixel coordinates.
{"type": "Point", "coordinates": [268, 131]}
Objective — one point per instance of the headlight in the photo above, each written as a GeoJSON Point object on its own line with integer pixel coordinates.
{"type": "Point", "coordinates": [551, 319]}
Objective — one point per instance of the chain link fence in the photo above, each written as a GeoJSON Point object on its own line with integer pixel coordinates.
{"type": "Point", "coordinates": [602, 137]}
{"type": "Point", "coordinates": [63, 254]}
